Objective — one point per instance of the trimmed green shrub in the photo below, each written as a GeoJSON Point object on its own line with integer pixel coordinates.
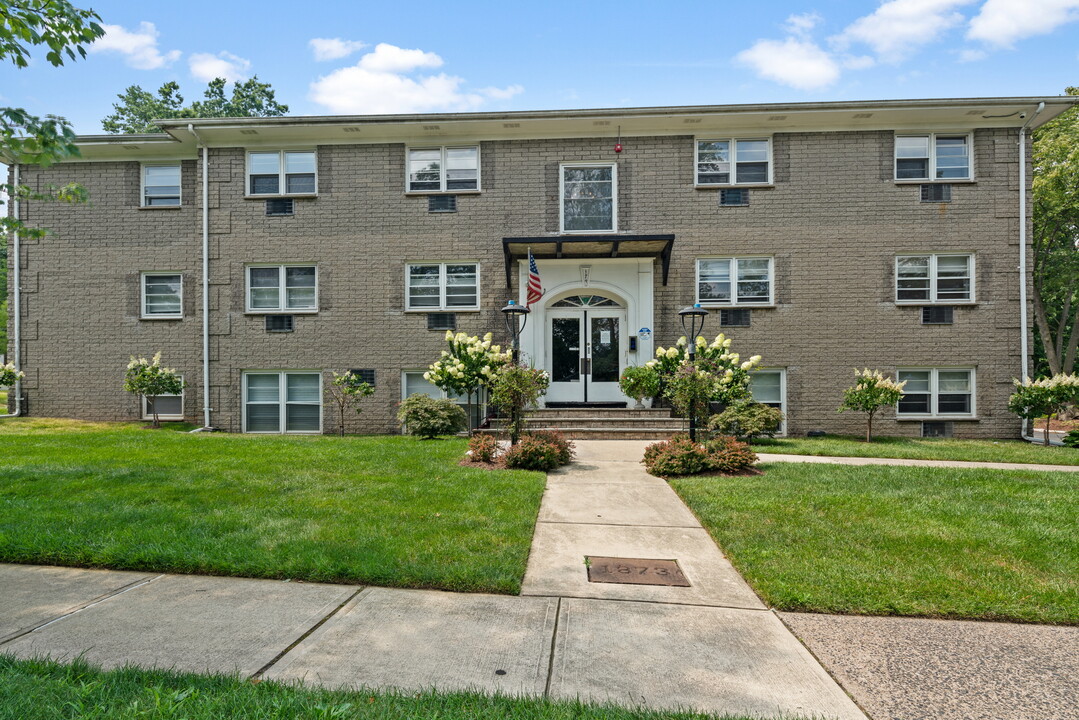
{"type": "Point", "coordinates": [728, 455]}
{"type": "Point", "coordinates": [533, 453]}
{"type": "Point", "coordinates": [682, 456]}
{"type": "Point", "coordinates": [639, 382]}
{"type": "Point", "coordinates": [565, 447]}
{"type": "Point", "coordinates": [1071, 439]}
{"type": "Point", "coordinates": [426, 417]}
{"type": "Point", "coordinates": [747, 420]}
{"type": "Point", "coordinates": [483, 448]}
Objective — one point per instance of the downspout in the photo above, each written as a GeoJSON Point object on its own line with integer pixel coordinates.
{"type": "Point", "coordinates": [17, 300]}
{"type": "Point", "coordinates": [1024, 326]}
{"type": "Point", "coordinates": [206, 409]}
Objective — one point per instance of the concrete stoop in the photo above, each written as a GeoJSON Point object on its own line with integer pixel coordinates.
{"type": "Point", "coordinates": [600, 423]}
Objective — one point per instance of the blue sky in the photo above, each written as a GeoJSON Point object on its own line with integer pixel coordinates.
{"type": "Point", "coordinates": [327, 57]}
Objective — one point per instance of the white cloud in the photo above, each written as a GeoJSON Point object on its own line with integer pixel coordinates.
{"type": "Point", "coordinates": [969, 55]}
{"type": "Point", "coordinates": [334, 48]}
{"type": "Point", "coordinates": [138, 47]}
{"type": "Point", "coordinates": [801, 24]}
{"type": "Point", "coordinates": [387, 80]}
{"type": "Point", "coordinates": [1002, 22]}
{"type": "Point", "coordinates": [799, 63]}
{"type": "Point", "coordinates": [207, 67]}
{"type": "Point", "coordinates": [898, 27]}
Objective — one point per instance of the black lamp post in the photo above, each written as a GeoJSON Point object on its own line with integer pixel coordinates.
{"type": "Point", "coordinates": [514, 329]}
{"type": "Point", "coordinates": [695, 317]}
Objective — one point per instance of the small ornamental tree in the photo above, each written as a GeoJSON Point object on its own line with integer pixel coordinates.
{"type": "Point", "coordinates": [871, 392]}
{"type": "Point", "coordinates": [9, 375]}
{"type": "Point", "coordinates": [516, 388]}
{"type": "Point", "coordinates": [725, 370]}
{"type": "Point", "coordinates": [467, 366]}
{"type": "Point", "coordinates": [347, 389]}
{"type": "Point", "coordinates": [1046, 397]}
{"type": "Point", "coordinates": [639, 383]}
{"type": "Point", "coordinates": [147, 379]}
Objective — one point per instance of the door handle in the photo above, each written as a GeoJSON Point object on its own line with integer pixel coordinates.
{"type": "Point", "coordinates": [586, 366]}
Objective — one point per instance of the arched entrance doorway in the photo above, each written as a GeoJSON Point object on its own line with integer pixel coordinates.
{"type": "Point", "coordinates": [586, 343]}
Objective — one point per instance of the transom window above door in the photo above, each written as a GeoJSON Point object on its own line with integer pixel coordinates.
{"type": "Point", "coordinates": [589, 198]}
{"type": "Point", "coordinates": [585, 301]}
{"type": "Point", "coordinates": [444, 169]}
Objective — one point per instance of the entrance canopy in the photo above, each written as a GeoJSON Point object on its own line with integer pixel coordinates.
{"type": "Point", "coordinates": [588, 246]}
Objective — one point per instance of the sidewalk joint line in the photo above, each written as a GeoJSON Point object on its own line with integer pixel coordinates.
{"type": "Point", "coordinates": [554, 644]}
{"type": "Point", "coordinates": [652, 602]}
{"type": "Point", "coordinates": [628, 525]}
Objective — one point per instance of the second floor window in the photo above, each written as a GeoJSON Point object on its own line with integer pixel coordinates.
{"type": "Point", "coordinates": [734, 281]}
{"type": "Point", "coordinates": [160, 185]}
{"type": "Point", "coordinates": [281, 173]}
{"type": "Point", "coordinates": [282, 288]}
{"type": "Point", "coordinates": [589, 198]}
{"type": "Point", "coordinates": [443, 286]}
{"type": "Point", "coordinates": [733, 162]}
{"type": "Point", "coordinates": [444, 169]}
{"type": "Point", "coordinates": [162, 296]}
{"type": "Point", "coordinates": [932, 157]}
{"type": "Point", "coordinates": [934, 278]}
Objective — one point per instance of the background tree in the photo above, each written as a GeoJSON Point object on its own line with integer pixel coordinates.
{"type": "Point", "coordinates": [1056, 241]}
{"type": "Point", "coordinates": [347, 389]}
{"type": "Point", "coordinates": [147, 379]}
{"type": "Point", "coordinates": [138, 108]}
{"type": "Point", "coordinates": [1044, 398]}
{"type": "Point", "coordinates": [871, 392]}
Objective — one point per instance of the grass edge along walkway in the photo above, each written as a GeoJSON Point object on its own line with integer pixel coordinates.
{"type": "Point", "coordinates": [1004, 451]}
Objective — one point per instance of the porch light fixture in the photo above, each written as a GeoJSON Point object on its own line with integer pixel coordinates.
{"type": "Point", "coordinates": [693, 316]}
{"type": "Point", "coordinates": [513, 311]}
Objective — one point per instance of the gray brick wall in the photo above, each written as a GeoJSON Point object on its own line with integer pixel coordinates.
{"type": "Point", "coordinates": [834, 222]}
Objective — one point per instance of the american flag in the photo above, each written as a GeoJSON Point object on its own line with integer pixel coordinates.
{"type": "Point", "coordinates": [535, 288]}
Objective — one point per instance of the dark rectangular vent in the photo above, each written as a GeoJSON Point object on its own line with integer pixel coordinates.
{"type": "Point", "coordinates": [365, 374]}
{"type": "Point", "coordinates": [734, 197]}
{"type": "Point", "coordinates": [441, 321]}
{"type": "Point", "coordinates": [937, 429]}
{"type": "Point", "coordinates": [937, 192]}
{"type": "Point", "coordinates": [279, 323]}
{"type": "Point", "coordinates": [442, 203]}
{"type": "Point", "coordinates": [734, 318]}
{"type": "Point", "coordinates": [280, 206]}
{"type": "Point", "coordinates": [937, 315]}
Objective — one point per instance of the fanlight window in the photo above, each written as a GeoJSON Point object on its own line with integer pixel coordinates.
{"type": "Point", "coordinates": [585, 301]}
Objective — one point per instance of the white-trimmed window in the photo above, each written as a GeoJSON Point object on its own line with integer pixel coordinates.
{"type": "Point", "coordinates": [283, 172]}
{"type": "Point", "coordinates": [443, 286]}
{"type": "Point", "coordinates": [160, 185]}
{"type": "Point", "coordinates": [444, 169]}
{"type": "Point", "coordinates": [933, 156]}
{"type": "Point", "coordinates": [946, 279]}
{"type": "Point", "coordinates": [589, 193]}
{"type": "Point", "coordinates": [734, 161]}
{"type": "Point", "coordinates": [162, 296]}
{"type": "Point", "coordinates": [769, 387]}
{"type": "Point", "coordinates": [735, 281]}
{"type": "Point", "coordinates": [169, 407]}
{"type": "Point", "coordinates": [282, 288]}
{"type": "Point", "coordinates": [282, 402]}
{"type": "Point", "coordinates": [413, 383]}
{"type": "Point", "coordinates": [936, 392]}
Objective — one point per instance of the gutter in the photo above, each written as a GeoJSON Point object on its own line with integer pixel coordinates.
{"type": "Point", "coordinates": [1024, 324]}
{"type": "Point", "coordinates": [206, 409]}
{"type": "Point", "coordinates": [16, 206]}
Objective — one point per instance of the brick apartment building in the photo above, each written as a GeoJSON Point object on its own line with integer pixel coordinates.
{"type": "Point", "coordinates": [822, 236]}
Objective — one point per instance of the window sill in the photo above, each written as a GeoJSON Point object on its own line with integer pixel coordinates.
{"type": "Point", "coordinates": [934, 418]}
{"type": "Point", "coordinates": [964, 181]}
{"type": "Point", "coordinates": [417, 311]}
{"type": "Point", "coordinates": [161, 207]}
{"type": "Point", "coordinates": [282, 196]}
{"type": "Point", "coordinates": [161, 317]}
{"type": "Point", "coordinates": [744, 306]}
{"type": "Point", "coordinates": [739, 186]}
{"type": "Point", "coordinates": [162, 418]}
{"type": "Point", "coordinates": [571, 233]}
{"type": "Point", "coordinates": [281, 312]}
{"type": "Point", "coordinates": [931, 303]}
{"type": "Point", "coordinates": [410, 193]}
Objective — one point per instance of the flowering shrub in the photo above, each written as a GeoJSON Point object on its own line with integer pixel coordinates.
{"type": "Point", "coordinates": [1045, 397]}
{"type": "Point", "coordinates": [346, 389]}
{"type": "Point", "coordinates": [9, 375]}
{"type": "Point", "coordinates": [146, 378]}
{"type": "Point", "coordinates": [747, 420]}
{"type": "Point", "coordinates": [428, 418]}
{"type": "Point", "coordinates": [871, 391]}
{"type": "Point", "coordinates": [565, 447]}
{"type": "Point", "coordinates": [483, 448]}
{"type": "Point", "coordinates": [534, 453]}
{"type": "Point", "coordinates": [468, 365]}
{"type": "Point", "coordinates": [639, 382]}
{"type": "Point", "coordinates": [1071, 439]}
{"type": "Point", "coordinates": [515, 389]}
{"type": "Point", "coordinates": [721, 375]}
{"type": "Point", "coordinates": [682, 456]}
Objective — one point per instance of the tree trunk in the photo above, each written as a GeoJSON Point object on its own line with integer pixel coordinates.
{"type": "Point", "coordinates": [468, 419]}
{"type": "Point", "coordinates": [1048, 419]}
{"type": "Point", "coordinates": [869, 428]}
{"type": "Point", "coordinates": [1042, 323]}
{"type": "Point", "coordinates": [341, 407]}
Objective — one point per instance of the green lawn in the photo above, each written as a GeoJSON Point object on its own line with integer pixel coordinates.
{"type": "Point", "coordinates": [1014, 451]}
{"type": "Point", "coordinates": [941, 542]}
{"type": "Point", "coordinates": [41, 690]}
{"type": "Point", "coordinates": [384, 510]}
{"type": "Point", "coordinates": [3, 402]}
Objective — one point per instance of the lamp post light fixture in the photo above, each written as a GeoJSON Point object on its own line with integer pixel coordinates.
{"type": "Point", "coordinates": [512, 311]}
{"type": "Point", "coordinates": [694, 316]}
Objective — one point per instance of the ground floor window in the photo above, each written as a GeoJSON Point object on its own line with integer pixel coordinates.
{"type": "Point", "coordinates": [937, 392]}
{"type": "Point", "coordinates": [169, 407]}
{"type": "Point", "coordinates": [282, 402]}
{"type": "Point", "coordinates": [413, 383]}
{"type": "Point", "coordinates": [769, 387]}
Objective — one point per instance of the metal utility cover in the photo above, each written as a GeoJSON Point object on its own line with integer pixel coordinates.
{"type": "Point", "coordinates": [635, 571]}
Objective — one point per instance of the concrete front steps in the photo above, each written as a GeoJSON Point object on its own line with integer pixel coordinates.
{"type": "Point", "coordinates": [586, 423]}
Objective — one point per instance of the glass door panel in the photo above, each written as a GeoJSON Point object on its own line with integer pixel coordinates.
{"type": "Point", "coordinates": [565, 349]}
{"type": "Point", "coordinates": [605, 350]}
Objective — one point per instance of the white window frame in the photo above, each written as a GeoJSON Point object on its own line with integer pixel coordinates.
{"type": "Point", "coordinates": [480, 401]}
{"type": "Point", "coordinates": [782, 372]}
{"type": "Point", "coordinates": [562, 197]}
{"type": "Point", "coordinates": [442, 307]}
{"type": "Point", "coordinates": [934, 393]}
{"type": "Point", "coordinates": [732, 259]}
{"type": "Point", "coordinates": [933, 300]}
{"type": "Point", "coordinates": [179, 185]}
{"type": "Point", "coordinates": [147, 415]}
{"type": "Point", "coordinates": [143, 314]}
{"type": "Point", "coordinates": [734, 162]}
{"type": "Point", "coordinates": [931, 170]}
{"type": "Point", "coordinates": [282, 296]}
{"type": "Point", "coordinates": [282, 402]}
{"type": "Point", "coordinates": [282, 187]}
{"type": "Point", "coordinates": [442, 173]}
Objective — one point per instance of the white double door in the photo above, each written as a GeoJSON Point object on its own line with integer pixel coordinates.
{"type": "Point", "coordinates": [586, 352]}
